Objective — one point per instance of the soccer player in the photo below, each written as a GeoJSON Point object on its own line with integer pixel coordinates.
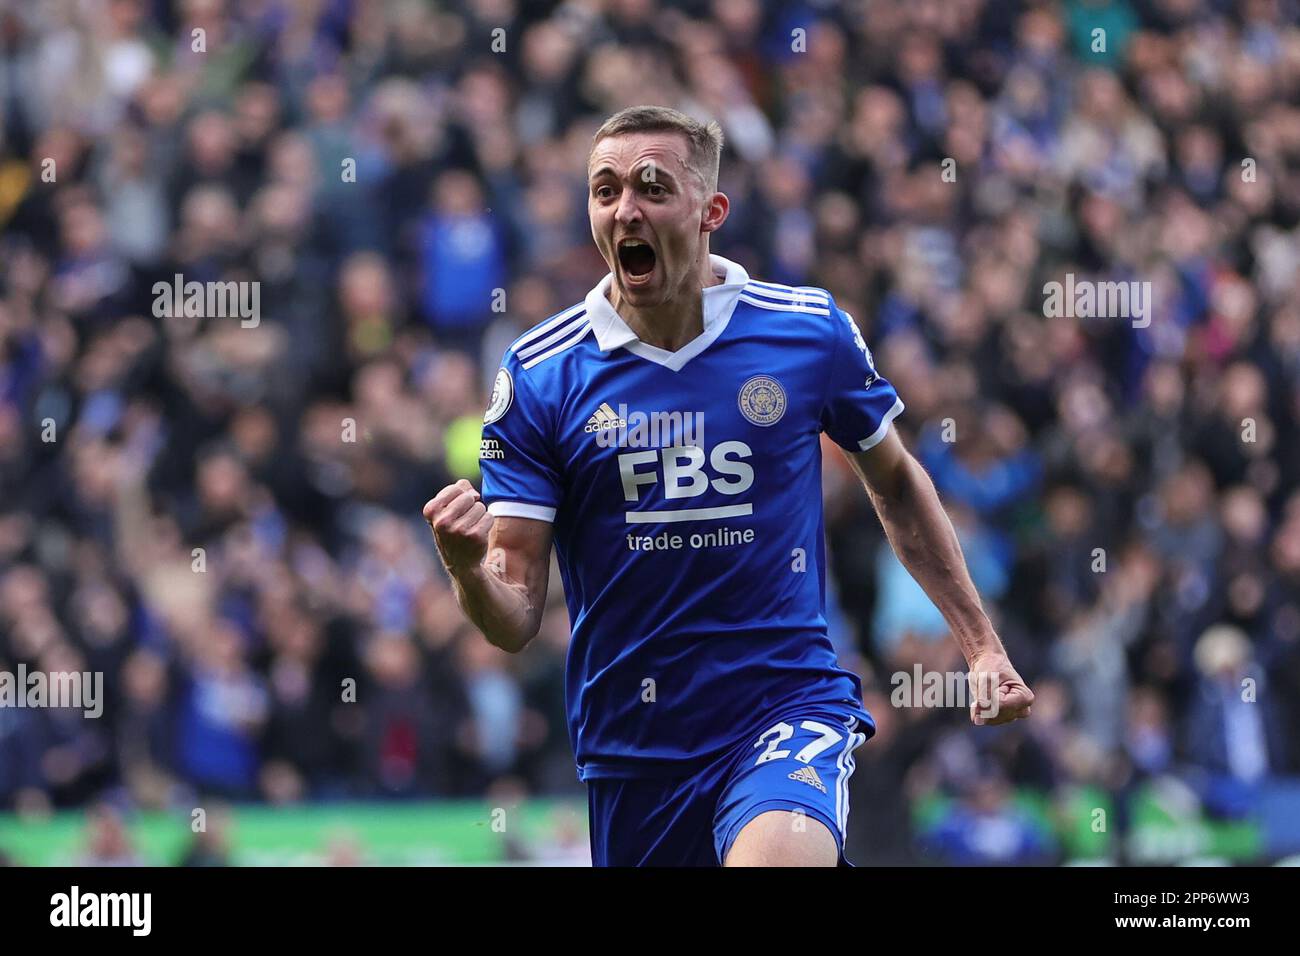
{"type": "Point", "coordinates": [664, 434]}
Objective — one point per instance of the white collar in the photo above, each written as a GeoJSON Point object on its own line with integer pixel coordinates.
{"type": "Point", "coordinates": [719, 302]}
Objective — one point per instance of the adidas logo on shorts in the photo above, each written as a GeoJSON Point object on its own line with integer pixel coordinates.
{"type": "Point", "coordinates": [809, 776]}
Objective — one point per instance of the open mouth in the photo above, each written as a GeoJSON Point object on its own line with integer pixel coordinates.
{"type": "Point", "coordinates": [637, 257]}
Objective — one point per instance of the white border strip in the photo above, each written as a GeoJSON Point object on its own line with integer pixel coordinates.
{"type": "Point", "coordinates": [847, 766]}
{"type": "Point", "coordinates": [785, 307]}
{"type": "Point", "coordinates": [521, 509]}
{"type": "Point", "coordinates": [541, 344]}
{"type": "Point", "coordinates": [776, 288]}
{"type": "Point", "coordinates": [878, 435]}
{"type": "Point", "coordinates": [792, 295]}
{"type": "Point", "coordinates": [532, 334]}
{"type": "Point", "coordinates": [567, 343]}
{"type": "Point", "coordinates": [688, 514]}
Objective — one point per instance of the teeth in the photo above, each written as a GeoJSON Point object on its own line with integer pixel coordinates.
{"type": "Point", "coordinates": [625, 243]}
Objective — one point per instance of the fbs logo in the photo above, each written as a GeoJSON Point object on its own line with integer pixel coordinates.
{"type": "Point", "coordinates": [604, 419]}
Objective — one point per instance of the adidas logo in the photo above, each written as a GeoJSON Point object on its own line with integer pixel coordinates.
{"type": "Point", "coordinates": [604, 419]}
{"type": "Point", "coordinates": [809, 776]}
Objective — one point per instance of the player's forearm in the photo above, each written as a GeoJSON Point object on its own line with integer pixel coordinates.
{"type": "Point", "coordinates": [926, 543]}
{"type": "Point", "coordinates": [498, 607]}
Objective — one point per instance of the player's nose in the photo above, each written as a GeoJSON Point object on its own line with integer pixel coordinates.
{"type": "Point", "coordinates": [628, 211]}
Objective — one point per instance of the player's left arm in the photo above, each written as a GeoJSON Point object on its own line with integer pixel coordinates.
{"type": "Point", "coordinates": [923, 537]}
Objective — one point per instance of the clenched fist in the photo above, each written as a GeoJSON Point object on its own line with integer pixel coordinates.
{"type": "Point", "coordinates": [999, 694]}
{"type": "Point", "coordinates": [460, 524]}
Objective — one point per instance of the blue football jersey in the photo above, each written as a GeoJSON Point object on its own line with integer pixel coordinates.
{"type": "Point", "coordinates": [685, 493]}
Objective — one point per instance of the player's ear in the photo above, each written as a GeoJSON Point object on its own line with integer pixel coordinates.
{"type": "Point", "coordinates": [716, 210]}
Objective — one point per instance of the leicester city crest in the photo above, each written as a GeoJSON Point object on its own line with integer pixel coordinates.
{"type": "Point", "coordinates": [762, 400]}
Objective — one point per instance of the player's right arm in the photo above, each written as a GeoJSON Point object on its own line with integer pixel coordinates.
{"type": "Point", "coordinates": [497, 546]}
{"type": "Point", "coordinates": [499, 566]}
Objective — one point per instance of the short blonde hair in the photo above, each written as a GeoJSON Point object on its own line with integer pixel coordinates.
{"type": "Point", "coordinates": [704, 140]}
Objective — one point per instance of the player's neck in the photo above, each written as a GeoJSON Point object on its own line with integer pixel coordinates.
{"type": "Point", "coordinates": [673, 323]}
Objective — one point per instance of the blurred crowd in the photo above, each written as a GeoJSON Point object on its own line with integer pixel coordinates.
{"type": "Point", "coordinates": [224, 517]}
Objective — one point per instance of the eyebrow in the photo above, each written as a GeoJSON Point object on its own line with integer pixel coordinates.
{"type": "Point", "coordinates": [661, 174]}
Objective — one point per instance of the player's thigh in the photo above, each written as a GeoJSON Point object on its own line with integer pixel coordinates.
{"type": "Point", "coordinates": [788, 792]}
{"type": "Point", "coordinates": [784, 838]}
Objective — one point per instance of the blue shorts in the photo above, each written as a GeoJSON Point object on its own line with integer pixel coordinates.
{"type": "Point", "coordinates": [801, 762]}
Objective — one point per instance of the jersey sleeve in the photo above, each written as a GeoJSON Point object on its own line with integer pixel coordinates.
{"type": "Point", "coordinates": [516, 455]}
{"type": "Point", "coordinates": [860, 402]}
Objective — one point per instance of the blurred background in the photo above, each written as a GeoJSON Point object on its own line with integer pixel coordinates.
{"type": "Point", "coordinates": [383, 168]}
